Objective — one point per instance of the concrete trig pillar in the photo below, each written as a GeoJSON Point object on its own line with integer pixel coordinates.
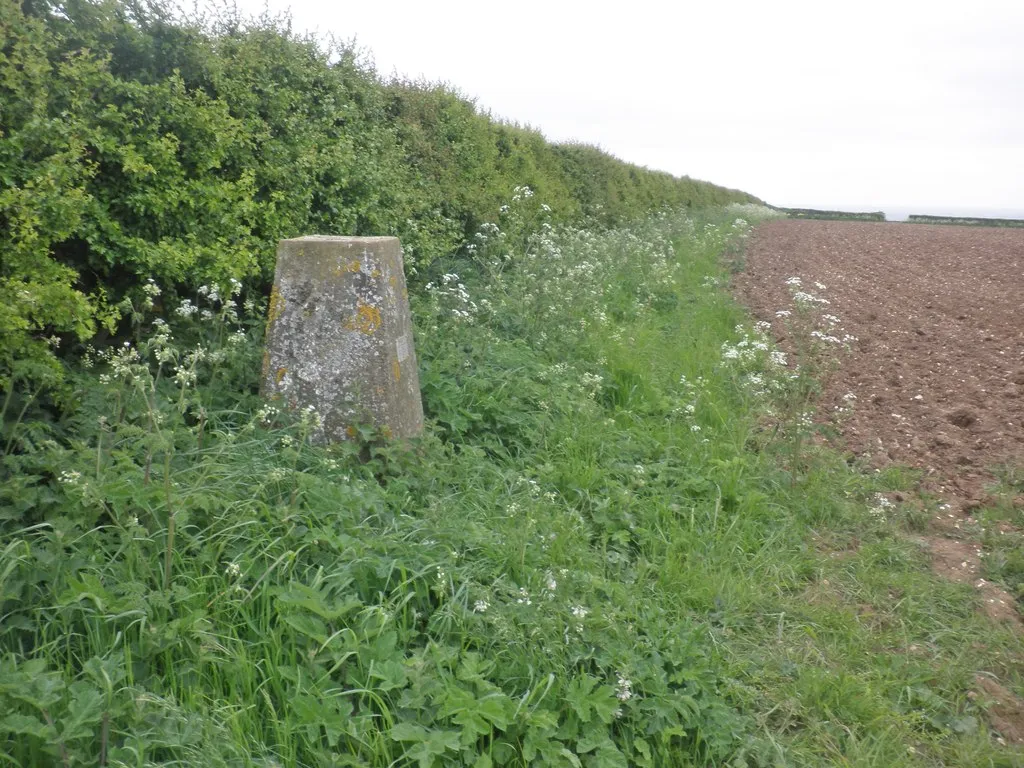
{"type": "Point", "coordinates": [339, 336]}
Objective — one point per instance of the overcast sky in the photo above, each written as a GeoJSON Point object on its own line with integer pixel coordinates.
{"type": "Point", "coordinates": [902, 105]}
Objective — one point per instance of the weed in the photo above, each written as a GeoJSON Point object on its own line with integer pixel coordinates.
{"type": "Point", "coordinates": [590, 557]}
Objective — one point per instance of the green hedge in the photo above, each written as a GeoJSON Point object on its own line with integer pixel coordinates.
{"type": "Point", "coordinates": [970, 221]}
{"type": "Point", "coordinates": [813, 213]}
{"type": "Point", "coordinates": [136, 144]}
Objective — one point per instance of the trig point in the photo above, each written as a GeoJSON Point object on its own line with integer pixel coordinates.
{"type": "Point", "coordinates": [339, 336]}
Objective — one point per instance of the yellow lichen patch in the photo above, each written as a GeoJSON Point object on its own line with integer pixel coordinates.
{"type": "Point", "coordinates": [266, 363]}
{"type": "Point", "coordinates": [351, 432]}
{"type": "Point", "coordinates": [276, 306]}
{"type": "Point", "coordinates": [352, 266]}
{"type": "Point", "coordinates": [365, 320]}
{"type": "Point", "coordinates": [280, 374]}
{"type": "Point", "coordinates": [396, 370]}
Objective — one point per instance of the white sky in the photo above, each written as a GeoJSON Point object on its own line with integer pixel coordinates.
{"type": "Point", "coordinates": [901, 105]}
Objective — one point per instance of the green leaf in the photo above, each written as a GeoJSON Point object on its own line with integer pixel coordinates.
{"type": "Point", "coordinates": [314, 712]}
{"type": "Point", "coordinates": [497, 708]}
{"type": "Point", "coordinates": [390, 674]}
{"type": "Point", "coordinates": [477, 716]}
{"type": "Point", "coordinates": [644, 749]}
{"type": "Point", "coordinates": [86, 587]}
{"type": "Point", "coordinates": [84, 711]}
{"type": "Point", "coordinates": [435, 744]}
{"type": "Point", "coordinates": [608, 756]}
{"type": "Point", "coordinates": [578, 696]}
{"type": "Point", "coordinates": [591, 740]}
{"type": "Point", "coordinates": [316, 601]}
{"type": "Point", "coordinates": [604, 702]}
{"type": "Point", "coordinates": [964, 724]}
{"type": "Point", "coordinates": [32, 685]}
{"type": "Point", "coordinates": [474, 668]}
{"type": "Point", "coordinates": [23, 725]}
{"type": "Point", "coordinates": [542, 719]}
{"type": "Point", "coordinates": [307, 625]}
{"type": "Point", "coordinates": [407, 732]}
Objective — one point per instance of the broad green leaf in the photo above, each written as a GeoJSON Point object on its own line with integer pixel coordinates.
{"type": "Point", "coordinates": [592, 739]}
{"type": "Point", "coordinates": [23, 725]}
{"type": "Point", "coordinates": [390, 674]}
{"type": "Point", "coordinates": [604, 702]}
{"type": "Point", "coordinates": [307, 625]}
{"type": "Point", "coordinates": [84, 711]}
{"type": "Point", "coordinates": [578, 696]}
{"type": "Point", "coordinates": [608, 756]}
{"type": "Point", "coordinates": [408, 732]}
{"type": "Point", "coordinates": [436, 744]}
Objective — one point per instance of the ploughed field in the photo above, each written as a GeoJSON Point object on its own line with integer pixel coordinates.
{"type": "Point", "coordinates": [938, 365]}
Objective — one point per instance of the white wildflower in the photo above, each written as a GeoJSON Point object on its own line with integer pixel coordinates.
{"type": "Point", "coordinates": [70, 477]}
{"type": "Point", "coordinates": [623, 688]}
{"type": "Point", "coordinates": [186, 309]}
{"type": "Point", "coordinates": [184, 377]}
{"type": "Point", "coordinates": [801, 297]}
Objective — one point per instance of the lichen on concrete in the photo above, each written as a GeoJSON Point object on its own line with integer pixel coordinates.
{"type": "Point", "coordinates": [339, 336]}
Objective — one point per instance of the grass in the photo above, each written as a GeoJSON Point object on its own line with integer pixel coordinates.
{"type": "Point", "coordinates": [602, 551]}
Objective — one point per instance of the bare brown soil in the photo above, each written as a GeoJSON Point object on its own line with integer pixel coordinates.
{"type": "Point", "coordinates": [937, 369]}
{"type": "Point", "coordinates": [1005, 711]}
{"type": "Point", "coordinates": [938, 311]}
{"type": "Point", "coordinates": [938, 366]}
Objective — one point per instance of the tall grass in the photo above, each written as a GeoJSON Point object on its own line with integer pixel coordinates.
{"type": "Point", "coordinates": [600, 553]}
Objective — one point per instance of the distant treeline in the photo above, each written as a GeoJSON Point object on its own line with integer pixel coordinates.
{"type": "Point", "coordinates": [138, 145]}
{"type": "Point", "coordinates": [812, 213]}
{"type": "Point", "coordinates": [915, 218]}
{"type": "Point", "coordinates": [972, 221]}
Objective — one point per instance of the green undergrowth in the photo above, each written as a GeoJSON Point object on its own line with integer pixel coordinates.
{"type": "Point", "coordinates": [1000, 526]}
{"type": "Point", "coordinates": [604, 551]}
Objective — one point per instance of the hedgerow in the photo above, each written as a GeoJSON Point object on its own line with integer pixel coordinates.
{"type": "Point", "coordinates": [142, 143]}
